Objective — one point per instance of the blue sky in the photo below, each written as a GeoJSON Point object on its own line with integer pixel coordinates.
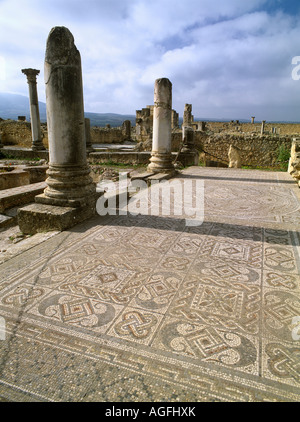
{"type": "Point", "coordinates": [228, 58]}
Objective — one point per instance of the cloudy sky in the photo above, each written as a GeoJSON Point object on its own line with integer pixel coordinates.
{"type": "Point", "coordinates": [228, 58]}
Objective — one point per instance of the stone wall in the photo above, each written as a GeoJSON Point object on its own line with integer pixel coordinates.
{"type": "Point", "coordinates": [216, 140]}
{"type": "Point", "coordinates": [103, 135]}
{"type": "Point", "coordinates": [254, 150]}
{"type": "Point", "coordinates": [270, 128]}
{"type": "Point", "coordinates": [18, 133]}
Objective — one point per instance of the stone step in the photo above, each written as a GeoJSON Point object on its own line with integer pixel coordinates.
{"type": "Point", "coordinates": [6, 221]}
{"type": "Point", "coordinates": [141, 176]}
{"type": "Point", "coordinates": [20, 195]}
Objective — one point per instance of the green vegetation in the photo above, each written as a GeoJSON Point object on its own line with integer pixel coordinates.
{"type": "Point", "coordinates": [283, 156]}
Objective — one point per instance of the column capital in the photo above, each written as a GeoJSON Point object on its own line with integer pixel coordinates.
{"type": "Point", "coordinates": [31, 74]}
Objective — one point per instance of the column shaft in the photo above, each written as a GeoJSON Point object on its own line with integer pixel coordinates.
{"type": "Point", "coordinates": [161, 158]}
{"type": "Point", "coordinates": [37, 143]}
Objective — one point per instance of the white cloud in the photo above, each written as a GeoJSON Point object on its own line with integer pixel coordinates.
{"type": "Point", "coordinates": [222, 56]}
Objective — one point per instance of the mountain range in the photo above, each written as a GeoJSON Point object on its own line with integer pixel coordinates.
{"type": "Point", "coordinates": [13, 105]}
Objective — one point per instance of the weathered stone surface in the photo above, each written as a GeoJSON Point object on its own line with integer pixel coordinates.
{"type": "Point", "coordinates": [87, 133]}
{"type": "Point", "coordinates": [294, 162]}
{"type": "Point", "coordinates": [234, 157]}
{"type": "Point", "coordinates": [70, 196]}
{"type": "Point", "coordinates": [12, 179]}
{"type": "Point", "coordinates": [37, 218]}
{"type": "Point", "coordinates": [20, 195]}
{"type": "Point", "coordinates": [187, 115]}
{"type": "Point", "coordinates": [188, 138]}
{"type": "Point", "coordinates": [68, 174]}
{"type": "Point", "coordinates": [161, 158]}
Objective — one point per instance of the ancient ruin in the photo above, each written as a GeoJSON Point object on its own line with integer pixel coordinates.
{"type": "Point", "coordinates": [137, 305]}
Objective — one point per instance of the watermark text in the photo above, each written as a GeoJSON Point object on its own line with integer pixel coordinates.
{"type": "Point", "coordinates": [176, 197]}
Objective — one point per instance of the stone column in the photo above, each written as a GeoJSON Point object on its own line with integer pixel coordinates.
{"type": "Point", "coordinates": [262, 127]}
{"type": "Point", "coordinates": [175, 119]}
{"type": "Point", "coordinates": [203, 126]}
{"type": "Point", "coordinates": [161, 157]}
{"type": "Point", "coordinates": [187, 115]}
{"type": "Point", "coordinates": [188, 138]}
{"type": "Point", "coordinates": [126, 130]}
{"type": "Point", "coordinates": [37, 143]}
{"type": "Point", "coordinates": [87, 130]}
{"type": "Point", "coordinates": [252, 120]}
{"type": "Point", "coordinates": [69, 182]}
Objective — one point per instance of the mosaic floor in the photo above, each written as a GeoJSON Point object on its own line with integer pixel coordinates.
{"type": "Point", "coordinates": [147, 309]}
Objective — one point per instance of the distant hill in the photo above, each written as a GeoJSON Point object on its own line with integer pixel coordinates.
{"type": "Point", "coordinates": [114, 120]}
{"type": "Point", "coordinates": [13, 105]}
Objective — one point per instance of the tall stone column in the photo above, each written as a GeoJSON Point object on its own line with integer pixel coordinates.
{"type": "Point", "coordinates": [161, 157]}
{"type": "Point", "coordinates": [252, 119]}
{"type": "Point", "coordinates": [70, 196]}
{"type": "Point", "coordinates": [187, 115]}
{"type": "Point", "coordinates": [175, 119]}
{"type": "Point", "coordinates": [69, 182]}
{"type": "Point", "coordinates": [37, 143]}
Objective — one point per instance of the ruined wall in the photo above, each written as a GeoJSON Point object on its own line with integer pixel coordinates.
{"type": "Point", "coordinates": [103, 135]}
{"type": "Point", "coordinates": [18, 133]}
{"type": "Point", "coordinates": [216, 140]}
{"type": "Point", "coordinates": [280, 128]}
{"type": "Point", "coordinates": [254, 150]}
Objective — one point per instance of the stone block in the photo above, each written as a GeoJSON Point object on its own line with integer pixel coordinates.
{"type": "Point", "coordinates": [294, 162]}
{"type": "Point", "coordinates": [13, 179]}
{"type": "Point", "coordinates": [37, 218]}
{"type": "Point", "coordinates": [20, 195]}
{"type": "Point", "coordinates": [234, 157]}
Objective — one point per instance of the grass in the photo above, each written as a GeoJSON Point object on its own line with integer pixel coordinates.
{"type": "Point", "coordinates": [276, 168]}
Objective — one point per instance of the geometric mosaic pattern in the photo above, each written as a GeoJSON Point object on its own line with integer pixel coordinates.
{"type": "Point", "coordinates": [141, 308]}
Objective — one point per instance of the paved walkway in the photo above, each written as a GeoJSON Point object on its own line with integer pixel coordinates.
{"type": "Point", "coordinates": [146, 308]}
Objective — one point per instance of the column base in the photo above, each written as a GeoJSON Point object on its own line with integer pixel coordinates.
{"type": "Point", "coordinates": [161, 163]}
{"type": "Point", "coordinates": [74, 203]}
{"type": "Point", "coordinates": [68, 186]}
